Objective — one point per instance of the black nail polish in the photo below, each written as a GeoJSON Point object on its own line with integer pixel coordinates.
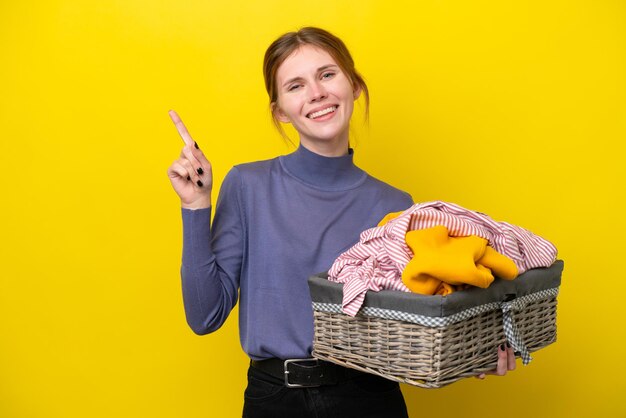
{"type": "Point", "coordinates": [199, 183]}
{"type": "Point", "coordinates": [196, 145]}
{"type": "Point", "coordinates": [188, 178]}
{"type": "Point", "coordinates": [508, 345]}
{"type": "Point", "coordinates": [502, 347]}
{"type": "Point", "coordinates": [200, 171]}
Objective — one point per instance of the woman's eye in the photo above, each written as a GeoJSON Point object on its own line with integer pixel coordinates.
{"type": "Point", "coordinates": [328, 75]}
{"type": "Point", "coordinates": [295, 86]}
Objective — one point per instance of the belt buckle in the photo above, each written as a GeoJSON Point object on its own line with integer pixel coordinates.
{"type": "Point", "coordinates": [295, 360]}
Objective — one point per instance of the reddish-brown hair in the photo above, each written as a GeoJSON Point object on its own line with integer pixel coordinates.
{"type": "Point", "coordinates": [286, 44]}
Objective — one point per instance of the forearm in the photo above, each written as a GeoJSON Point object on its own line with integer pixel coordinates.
{"type": "Point", "coordinates": [209, 291]}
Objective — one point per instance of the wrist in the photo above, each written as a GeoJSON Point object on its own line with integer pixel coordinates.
{"type": "Point", "coordinates": [198, 204]}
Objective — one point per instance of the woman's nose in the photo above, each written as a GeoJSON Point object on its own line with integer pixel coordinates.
{"type": "Point", "coordinates": [318, 92]}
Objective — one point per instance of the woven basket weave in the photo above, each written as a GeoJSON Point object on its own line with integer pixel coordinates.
{"type": "Point", "coordinates": [428, 356]}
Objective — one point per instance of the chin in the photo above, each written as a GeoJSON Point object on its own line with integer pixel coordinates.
{"type": "Point", "coordinates": [328, 135]}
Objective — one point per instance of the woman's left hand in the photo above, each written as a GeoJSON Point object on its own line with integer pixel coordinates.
{"type": "Point", "coordinates": [506, 362]}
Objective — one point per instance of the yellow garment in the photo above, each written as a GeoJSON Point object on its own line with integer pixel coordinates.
{"type": "Point", "coordinates": [389, 217]}
{"type": "Point", "coordinates": [441, 263]}
{"type": "Point", "coordinates": [501, 265]}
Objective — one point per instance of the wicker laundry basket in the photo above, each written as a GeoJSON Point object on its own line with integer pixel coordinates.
{"type": "Point", "coordinates": [432, 341]}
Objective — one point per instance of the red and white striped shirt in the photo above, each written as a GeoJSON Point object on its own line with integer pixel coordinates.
{"type": "Point", "coordinates": [377, 261]}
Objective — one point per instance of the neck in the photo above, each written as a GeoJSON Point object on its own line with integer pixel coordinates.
{"type": "Point", "coordinates": [333, 148]}
{"type": "Point", "coordinates": [326, 150]}
{"type": "Point", "coordinates": [326, 172]}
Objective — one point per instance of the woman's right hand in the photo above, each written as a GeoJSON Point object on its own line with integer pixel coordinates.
{"type": "Point", "coordinates": [191, 175]}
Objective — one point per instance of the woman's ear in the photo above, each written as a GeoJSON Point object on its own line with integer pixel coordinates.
{"type": "Point", "coordinates": [279, 114]}
{"type": "Point", "coordinates": [357, 92]}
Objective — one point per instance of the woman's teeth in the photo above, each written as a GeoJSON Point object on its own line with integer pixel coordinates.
{"type": "Point", "coordinates": [322, 112]}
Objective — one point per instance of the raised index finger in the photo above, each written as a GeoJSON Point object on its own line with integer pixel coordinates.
{"type": "Point", "coordinates": [181, 128]}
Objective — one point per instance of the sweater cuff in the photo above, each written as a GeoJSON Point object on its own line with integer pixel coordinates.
{"type": "Point", "coordinates": [196, 236]}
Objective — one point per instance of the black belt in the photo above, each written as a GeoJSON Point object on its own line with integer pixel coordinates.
{"type": "Point", "coordinates": [311, 372]}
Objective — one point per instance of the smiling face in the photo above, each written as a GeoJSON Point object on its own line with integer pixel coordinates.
{"type": "Point", "coordinates": [317, 98]}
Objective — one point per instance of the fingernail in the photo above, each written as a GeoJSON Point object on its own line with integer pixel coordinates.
{"type": "Point", "coordinates": [200, 170]}
{"type": "Point", "coordinates": [508, 345]}
{"type": "Point", "coordinates": [199, 183]}
{"type": "Point", "coordinates": [502, 347]}
{"type": "Point", "coordinates": [196, 145]}
{"type": "Point", "coordinates": [188, 178]}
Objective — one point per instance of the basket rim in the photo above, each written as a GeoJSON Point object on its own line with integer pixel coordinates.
{"type": "Point", "coordinates": [532, 281]}
{"type": "Point", "coordinates": [439, 321]}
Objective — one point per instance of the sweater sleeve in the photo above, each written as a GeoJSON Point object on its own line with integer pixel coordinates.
{"type": "Point", "coordinates": [212, 258]}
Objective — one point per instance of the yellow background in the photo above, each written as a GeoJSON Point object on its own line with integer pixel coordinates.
{"type": "Point", "coordinates": [515, 109]}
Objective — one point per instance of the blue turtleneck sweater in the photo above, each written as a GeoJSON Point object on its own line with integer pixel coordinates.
{"type": "Point", "coordinates": [276, 223]}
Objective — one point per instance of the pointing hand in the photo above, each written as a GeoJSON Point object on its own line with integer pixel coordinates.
{"type": "Point", "coordinates": [191, 175]}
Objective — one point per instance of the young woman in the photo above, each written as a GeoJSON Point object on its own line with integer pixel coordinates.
{"type": "Point", "coordinates": [279, 221]}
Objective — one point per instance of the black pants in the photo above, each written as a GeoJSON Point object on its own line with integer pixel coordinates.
{"type": "Point", "coordinates": [364, 396]}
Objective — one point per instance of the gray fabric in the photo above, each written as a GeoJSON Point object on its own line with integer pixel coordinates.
{"type": "Point", "coordinates": [532, 281]}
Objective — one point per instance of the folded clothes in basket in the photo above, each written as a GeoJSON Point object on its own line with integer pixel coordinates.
{"type": "Point", "coordinates": [431, 341]}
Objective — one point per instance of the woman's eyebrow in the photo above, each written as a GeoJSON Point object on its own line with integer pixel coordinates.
{"type": "Point", "coordinates": [320, 69]}
{"type": "Point", "coordinates": [323, 67]}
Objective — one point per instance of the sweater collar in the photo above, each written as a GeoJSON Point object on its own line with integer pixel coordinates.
{"type": "Point", "coordinates": [330, 173]}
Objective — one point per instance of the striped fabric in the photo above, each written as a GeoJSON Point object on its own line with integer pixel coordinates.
{"type": "Point", "coordinates": [376, 262]}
